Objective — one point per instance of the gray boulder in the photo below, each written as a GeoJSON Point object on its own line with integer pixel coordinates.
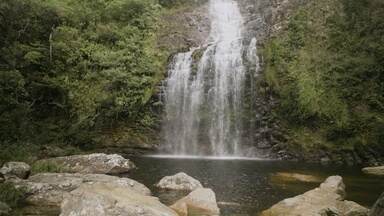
{"type": "Point", "coordinates": [49, 189]}
{"type": "Point", "coordinates": [379, 170]}
{"type": "Point", "coordinates": [93, 163]}
{"type": "Point", "coordinates": [201, 201]}
{"type": "Point", "coordinates": [328, 199]}
{"type": "Point", "coordinates": [16, 169]}
{"type": "Point", "coordinates": [378, 207]}
{"type": "Point", "coordinates": [180, 181]}
{"type": "Point", "coordinates": [104, 199]}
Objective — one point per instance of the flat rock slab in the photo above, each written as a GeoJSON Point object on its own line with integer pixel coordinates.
{"type": "Point", "coordinates": [201, 201]}
{"type": "Point", "coordinates": [179, 181]}
{"type": "Point", "coordinates": [104, 199]}
{"type": "Point", "coordinates": [328, 199]}
{"type": "Point", "coordinates": [16, 169]}
{"type": "Point", "coordinates": [93, 163]}
{"type": "Point", "coordinates": [49, 189]}
{"type": "Point", "coordinates": [379, 171]}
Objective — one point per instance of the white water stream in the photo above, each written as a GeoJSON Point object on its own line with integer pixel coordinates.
{"type": "Point", "coordinates": [204, 103]}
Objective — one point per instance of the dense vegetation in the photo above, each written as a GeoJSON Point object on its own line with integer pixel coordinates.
{"type": "Point", "coordinates": [71, 68]}
{"type": "Point", "coordinates": [327, 69]}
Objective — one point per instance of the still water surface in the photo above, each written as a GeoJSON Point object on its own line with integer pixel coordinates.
{"type": "Point", "coordinates": [246, 187]}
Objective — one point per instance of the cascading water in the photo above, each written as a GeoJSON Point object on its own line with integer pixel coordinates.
{"type": "Point", "coordinates": [183, 99]}
{"type": "Point", "coordinates": [204, 104]}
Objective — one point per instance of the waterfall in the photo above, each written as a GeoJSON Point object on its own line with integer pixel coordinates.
{"type": "Point", "coordinates": [252, 56]}
{"type": "Point", "coordinates": [182, 104]}
{"type": "Point", "coordinates": [204, 103]}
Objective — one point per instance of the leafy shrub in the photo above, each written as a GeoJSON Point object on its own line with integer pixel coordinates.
{"type": "Point", "coordinates": [11, 195]}
{"type": "Point", "coordinates": [47, 167]}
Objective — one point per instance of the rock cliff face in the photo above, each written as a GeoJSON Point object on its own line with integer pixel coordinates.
{"type": "Point", "coordinates": [266, 19]}
{"type": "Point", "coordinates": [188, 29]}
{"type": "Point", "coordinates": [184, 27]}
{"type": "Point", "coordinates": [263, 19]}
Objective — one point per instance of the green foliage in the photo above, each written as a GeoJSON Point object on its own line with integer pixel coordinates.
{"type": "Point", "coordinates": [175, 3]}
{"type": "Point", "coordinates": [70, 68]}
{"type": "Point", "coordinates": [17, 152]}
{"type": "Point", "coordinates": [11, 195]}
{"type": "Point", "coordinates": [47, 167]}
{"type": "Point", "coordinates": [327, 68]}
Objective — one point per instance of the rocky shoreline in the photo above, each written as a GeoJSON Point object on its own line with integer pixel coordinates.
{"type": "Point", "coordinates": [85, 188]}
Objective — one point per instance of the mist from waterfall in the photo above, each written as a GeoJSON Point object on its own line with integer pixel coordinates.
{"type": "Point", "coordinates": [203, 104]}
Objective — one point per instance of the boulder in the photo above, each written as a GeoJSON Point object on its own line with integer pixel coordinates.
{"type": "Point", "coordinates": [379, 170]}
{"type": "Point", "coordinates": [16, 169]}
{"type": "Point", "coordinates": [201, 201]}
{"type": "Point", "coordinates": [104, 199]}
{"type": "Point", "coordinates": [4, 209]}
{"type": "Point", "coordinates": [93, 163]}
{"type": "Point", "coordinates": [378, 207]}
{"type": "Point", "coordinates": [179, 181]}
{"type": "Point", "coordinates": [328, 199]}
{"type": "Point", "coordinates": [49, 189]}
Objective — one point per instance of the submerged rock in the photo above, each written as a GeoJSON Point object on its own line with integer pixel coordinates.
{"type": "Point", "coordinates": [328, 199]}
{"type": "Point", "coordinates": [285, 176]}
{"type": "Point", "coordinates": [180, 181]}
{"type": "Point", "coordinates": [16, 169]}
{"type": "Point", "coordinates": [93, 163]}
{"type": "Point", "coordinates": [201, 201]}
{"type": "Point", "coordinates": [4, 209]}
{"type": "Point", "coordinates": [105, 199]}
{"type": "Point", "coordinates": [379, 170]}
{"type": "Point", "coordinates": [49, 189]}
{"type": "Point", "coordinates": [378, 207]}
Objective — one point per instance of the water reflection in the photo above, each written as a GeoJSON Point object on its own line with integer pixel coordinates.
{"type": "Point", "coordinates": [246, 187]}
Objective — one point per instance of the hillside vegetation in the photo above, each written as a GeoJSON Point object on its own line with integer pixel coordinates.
{"type": "Point", "coordinates": [327, 69]}
{"type": "Point", "coordinates": [71, 69]}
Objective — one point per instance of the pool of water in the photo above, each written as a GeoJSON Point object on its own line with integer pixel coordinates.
{"type": "Point", "coordinates": [246, 187]}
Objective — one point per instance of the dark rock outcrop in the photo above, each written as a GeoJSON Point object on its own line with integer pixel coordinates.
{"type": "Point", "coordinates": [15, 169]}
{"type": "Point", "coordinates": [378, 207]}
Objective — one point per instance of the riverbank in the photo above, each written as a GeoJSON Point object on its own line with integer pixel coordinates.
{"type": "Point", "coordinates": [241, 186]}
